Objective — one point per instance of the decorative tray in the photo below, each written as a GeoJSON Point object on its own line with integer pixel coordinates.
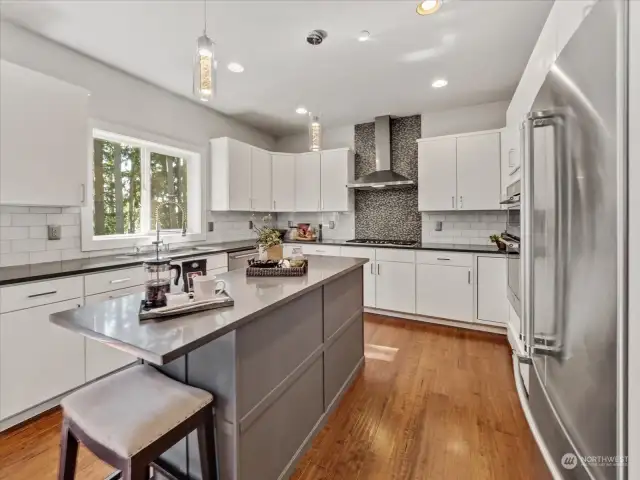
{"type": "Point", "coordinates": [273, 269]}
{"type": "Point", "coordinates": [219, 301]}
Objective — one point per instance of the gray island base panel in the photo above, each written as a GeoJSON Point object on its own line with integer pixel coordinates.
{"type": "Point", "coordinates": [277, 362]}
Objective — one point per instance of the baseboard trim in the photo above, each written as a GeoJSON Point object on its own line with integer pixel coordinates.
{"type": "Point", "coordinates": [478, 325]}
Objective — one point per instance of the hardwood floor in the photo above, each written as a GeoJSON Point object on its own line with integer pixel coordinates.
{"type": "Point", "coordinates": [432, 402]}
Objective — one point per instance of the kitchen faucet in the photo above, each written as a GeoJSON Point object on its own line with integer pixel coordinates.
{"type": "Point", "coordinates": [158, 242]}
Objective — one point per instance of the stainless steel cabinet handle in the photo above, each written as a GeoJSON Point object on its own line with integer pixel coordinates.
{"type": "Point", "coordinates": [84, 192]}
{"type": "Point", "coordinates": [320, 251]}
{"type": "Point", "coordinates": [378, 269]}
{"type": "Point", "coordinates": [453, 202]}
{"type": "Point", "coordinates": [35, 295]}
{"type": "Point", "coordinates": [443, 258]}
{"type": "Point", "coordinates": [469, 277]}
{"type": "Point", "coordinates": [120, 280]}
{"type": "Point", "coordinates": [460, 201]}
{"type": "Point", "coordinates": [372, 269]}
{"type": "Point", "coordinates": [274, 204]}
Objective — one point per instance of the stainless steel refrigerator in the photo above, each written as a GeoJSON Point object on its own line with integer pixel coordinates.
{"type": "Point", "coordinates": [574, 252]}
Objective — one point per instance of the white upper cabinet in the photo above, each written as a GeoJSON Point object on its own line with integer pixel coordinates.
{"type": "Point", "coordinates": [437, 174]}
{"type": "Point", "coordinates": [479, 172]}
{"type": "Point", "coordinates": [45, 140]}
{"type": "Point", "coordinates": [337, 167]}
{"type": "Point", "coordinates": [283, 182]}
{"type": "Point", "coordinates": [230, 175]}
{"type": "Point", "coordinates": [261, 180]}
{"type": "Point", "coordinates": [459, 172]}
{"type": "Point", "coordinates": [307, 182]}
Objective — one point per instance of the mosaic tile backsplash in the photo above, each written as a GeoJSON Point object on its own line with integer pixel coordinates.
{"type": "Point", "coordinates": [389, 214]}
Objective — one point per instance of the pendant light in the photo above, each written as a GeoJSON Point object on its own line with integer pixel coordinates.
{"type": "Point", "coordinates": [205, 65]}
{"type": "Point", "coordinates": [315, 132]}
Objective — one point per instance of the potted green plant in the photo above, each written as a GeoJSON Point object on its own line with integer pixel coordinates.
{"type": "Point", "coordinates": [497, 240]}
{"type": "Point", "coordinates": [269, 239]}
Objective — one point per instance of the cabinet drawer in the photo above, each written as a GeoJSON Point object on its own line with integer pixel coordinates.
{"type": "Point", "coordinates": [113, 280]}
{"type": "Point", "coordinates": [39, 293]}
{"type": "Point", "coordinates": [395, 255]}
{"type": "Point", "coordinates": [321, 250]}
{"type": "Point", "coordinates": [216, 271]}
{"type": "Point", "coordinates": [359, 252]}
{"type": "Point", "coordinates": [445, 258]}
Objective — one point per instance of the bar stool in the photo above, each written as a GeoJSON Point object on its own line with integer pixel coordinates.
{"type": "Point", "coordinates": [130, 418]}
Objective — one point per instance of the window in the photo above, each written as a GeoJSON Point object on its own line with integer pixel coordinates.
{"type": "Point", "coordinates": [136, 183]}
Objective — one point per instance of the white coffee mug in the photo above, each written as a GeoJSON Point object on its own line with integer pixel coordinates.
{"type": "Point", "coordinates": [207, 287]}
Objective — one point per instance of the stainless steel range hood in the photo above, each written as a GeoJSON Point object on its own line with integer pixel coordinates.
{"type": "Point", "coordinates": [383, 177]}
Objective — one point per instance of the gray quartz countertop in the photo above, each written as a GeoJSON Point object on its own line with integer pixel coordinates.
{"type": "Point", "coordinates": [448, 247]}
{"type": "Point", "coordinates": [47, 271]}
{"type": "Point", "coordinates": [115, 322]}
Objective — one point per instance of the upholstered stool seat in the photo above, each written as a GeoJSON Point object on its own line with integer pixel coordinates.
{"type": "Point", "coordinates": [128, 419]}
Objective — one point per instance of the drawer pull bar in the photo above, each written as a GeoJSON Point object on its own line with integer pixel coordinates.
{"type": "Point", "coordinates": [443, 258]}
{"type": "Point", "coordinates": [244, 256]}
{"type": "Point", "coordinates": [35, 295]}
{"type": "Point", "coordinates": [120, 280]}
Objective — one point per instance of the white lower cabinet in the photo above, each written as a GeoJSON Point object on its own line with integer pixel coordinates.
{"type": "Point", "coordinates": [444, 291]}
{"type": "Point", "coordinates": [396, 286]}
{"type": "Point", "coordinates": [368, 271]}
{"type": "Point", "coordinates": [492, 303]}
{"type": "Point", "coordinates": [38, 360]}
{"type": "Point", "coordinates": [102, 359]}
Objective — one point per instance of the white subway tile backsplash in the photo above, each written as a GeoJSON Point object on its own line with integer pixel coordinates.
{"type": "Point", "coordinates": [14, 233]}
{"type": "Point", "coordinates": [47, 256]}
{"type": "Point", "coordinates": [73, 254]}
{"type": "Point", "coordinates": [13, 259]}
{"type": "Point", "coordinates": [71, 231]}
{"type": "Point", "coordinates": [12, 209]}
{"type": "Point", "coordinates": [63, 219]}
{"type": "Point", "coordinates": [38, 232]}
{"type": "Point", "coordinates": [45, 210]}
{"type": "Point", "coordinates": [5, 246]}
{"type": "Point", "coordinates": [27, 245]}
{"type": "Point", "coordinates": [5, 219]}
{"type": "Point", "coordinates": [63, 243]}
{"type": "Point", "coordinates": [71, 210]}
{"type": "Point", "coordinates": [28, 219]}
{"type": "Point", "coordinates": [464, 227]}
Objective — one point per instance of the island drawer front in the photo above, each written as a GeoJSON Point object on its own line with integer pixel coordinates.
{"type": "Point", "coordinates": [341, 357]}
{"type": "Point", "coordinates": [113, 280]}
{"type": "Point", "coordinates": [271, 347]}
{"type": "Point", "coordinates": [34, 294]}
{"type": "Point", "coordinates": [445, 258]}
{"type": "Point", "coordinates": [395, 255]}
{"type": "Point", "coordinates": [342, 299]}
{"type": "Point", "coordinates": [270, 442]}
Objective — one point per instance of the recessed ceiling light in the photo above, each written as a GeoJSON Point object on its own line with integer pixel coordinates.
{"type": "Point", "coordinates": [427, 7]}
{"type": "Point", "coordinates": [363, 36]}
{"type": "Point", "coordinates": [439, 83]}
{"type": "Point", "coordinates": [235, 67]}
{"type": "Point", "coordinates": [301, 110]}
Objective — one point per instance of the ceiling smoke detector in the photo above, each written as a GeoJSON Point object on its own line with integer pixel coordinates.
{"type": "Point", "coordinates": [316, 37]}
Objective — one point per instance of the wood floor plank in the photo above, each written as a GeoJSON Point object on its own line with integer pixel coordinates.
{"type": "Point", "coordinates": [432, 402]}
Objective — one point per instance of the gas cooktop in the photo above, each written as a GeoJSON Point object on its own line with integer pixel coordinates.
{"type": "Point", "coordinates": [397, 243]}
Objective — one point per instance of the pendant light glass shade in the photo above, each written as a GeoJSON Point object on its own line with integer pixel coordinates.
{"type": "Point", "coordinates": [315, 133]}
{"type": "Point", "coordinates": [204, 69]}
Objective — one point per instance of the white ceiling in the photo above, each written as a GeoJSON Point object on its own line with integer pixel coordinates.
{"type": "Point", "coordinates": [480, 46]}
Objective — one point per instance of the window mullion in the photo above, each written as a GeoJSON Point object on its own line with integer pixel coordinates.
{"type": "Point", "coordinates": [145, 199]}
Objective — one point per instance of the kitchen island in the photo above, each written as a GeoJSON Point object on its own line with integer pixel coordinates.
{"type": "Point", "coordinates": [277, 362]}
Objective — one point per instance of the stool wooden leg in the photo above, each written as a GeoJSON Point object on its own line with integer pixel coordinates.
{"type": "Point", "coordinates": [136, 471]}
{"type": "Point", "coordinates": [68, 453]}
{"type": "Point", "coordinates": [207, 447]}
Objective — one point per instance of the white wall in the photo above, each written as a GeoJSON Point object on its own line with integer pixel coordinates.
{"type": "Point", "coordinates": [119, 98]}
{"type": "Point", "coordinates": [486, 116]}
{"type": "Point", "coordinates": [334, 137]}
